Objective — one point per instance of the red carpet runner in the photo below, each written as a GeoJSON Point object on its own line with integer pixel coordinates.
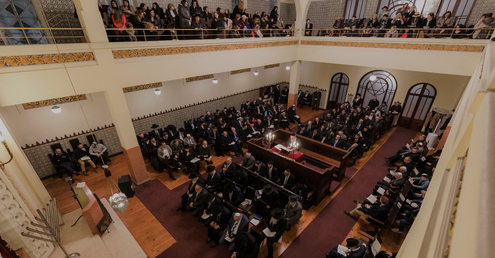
{"type": "Point", "coordinates": [331, 226]}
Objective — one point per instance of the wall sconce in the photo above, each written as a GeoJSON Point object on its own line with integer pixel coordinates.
{"type": "Point", "coordinates": [56, 109]}
{"type": "Point", "coordinates": [256, 73]}
{"type": "Point", "coordinates": [158, 92]}
{"type": "Point", "coordinates": [215, 80]}
{"type": "Point", "coordinates": [2, 140]}
{"type": "Point", "coordinates": [287, 68]}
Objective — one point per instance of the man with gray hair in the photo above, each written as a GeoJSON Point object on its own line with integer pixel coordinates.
{"type": "Point", "coordinates": [248, 161]}
{"type": "Point", "coordinates": [238, 223]}
{"type": "Point", "coordinates": [396, 182]}
{"type": "Point", "coordinates": [99, 152]}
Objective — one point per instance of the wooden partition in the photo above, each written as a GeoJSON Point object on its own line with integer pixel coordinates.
{"type": "Point", "coordinates": [320, 153]}
{"type": "Point", "coordinates": [318, 180]}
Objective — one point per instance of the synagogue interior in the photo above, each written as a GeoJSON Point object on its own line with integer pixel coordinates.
{"type": "Point", "coordinates": [247, 128]}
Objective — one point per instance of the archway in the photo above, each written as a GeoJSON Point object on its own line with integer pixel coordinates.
{"type": "Point", "coordinates": [417, 104]}
{"type": "Point", "coordinates": [381, 84]}
{"type": "Point", "coordinates": [338, 90]}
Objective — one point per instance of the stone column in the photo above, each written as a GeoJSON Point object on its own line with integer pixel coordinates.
{"type": "Point", "coordinates": [293, 83]}
{"type": "Point", "coordinates": [89, 17]}
{"type": "Point", "coordinates": [125, 129]}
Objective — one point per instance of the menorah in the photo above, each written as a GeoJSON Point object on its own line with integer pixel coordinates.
{"type": "Point", "coordinates": [50, 231]}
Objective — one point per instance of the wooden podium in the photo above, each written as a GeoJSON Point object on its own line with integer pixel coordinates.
{"type": "Point", "coordinates": [92, 211]}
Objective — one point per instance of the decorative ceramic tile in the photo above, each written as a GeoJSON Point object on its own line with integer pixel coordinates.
{"type": "Point", "coordinates": [240, 71]}
{"type": "Point", "coordinates": [9, 61]}
{"type": "Point", "coordinates": [50, 102]}
{"type": "Point", "coordinates": [271, 66]}
{"type": "Point", "coordinates": [128, 53]}
{"type": "Point", "coordinates": [142, 87]}
{"type": "Point", "coordinates": [198, 78]}
{"type": "Point", "coordinates": [456, 48]}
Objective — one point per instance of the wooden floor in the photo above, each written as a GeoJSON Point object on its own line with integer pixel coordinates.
{"type": "Point", "coordinates": [151, 235]}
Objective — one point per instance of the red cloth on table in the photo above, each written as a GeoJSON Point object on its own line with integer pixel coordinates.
{"type": "Point", "coordinates": [298, 156]}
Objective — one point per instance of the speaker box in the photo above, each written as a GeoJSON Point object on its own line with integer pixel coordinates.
{"type": "Point", "coordinates": [125, 185]}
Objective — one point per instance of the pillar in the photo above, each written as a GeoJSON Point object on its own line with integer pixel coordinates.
{"type": "Point", "coordinates": [21, 174]}
{"type": "Point", "coordinates": [130, 146]}
{"type": "Point", "coordinates": [293, 83]}
{"type": "Point", "coordinates": [89, 17]}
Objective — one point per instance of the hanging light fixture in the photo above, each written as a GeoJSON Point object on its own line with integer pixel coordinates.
{"type": "Point", "coordinates": [158, 92]}
{"type": "Point", "coordinates": [256, 73]}
{"type": "Point", "coordinates": [118, 201]}
{"type": "Point", "coordinates": [287, 68]}
{"type": "Point", "coordinates": [215, 80]}
{"type": "Point", "coordinates": [56, 109]}
{"type": "Point", "coordinates": [372, 78]}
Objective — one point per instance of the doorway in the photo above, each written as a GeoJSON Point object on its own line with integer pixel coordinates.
{"type": "Point", "coordinates": [417, 104]}
{"type": "Point", "coordinates": [338, 90]}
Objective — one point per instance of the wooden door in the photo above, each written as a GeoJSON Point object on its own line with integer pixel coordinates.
{"type": "Point", "coordinates": [338, 90]}
{"type": "Point", "coordinates": [417, 104]}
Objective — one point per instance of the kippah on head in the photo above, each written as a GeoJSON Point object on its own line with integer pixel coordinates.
{"type": "Point", "coordinates": [237, 215]}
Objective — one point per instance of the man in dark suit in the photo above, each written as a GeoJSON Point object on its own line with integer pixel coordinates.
{"type": "Point", "coordinates": [308, 27]}
{"type": "Point", "coordinates": [237, 140]}
{"type": "Point", "coordinates": [214, 139]}
{"type": "Point", "coordinates": [271, 172]}
{"type": "Point", "coordinates": [214, 180]}
{"type": "Point", "coordinates": [156, 132]}
{"type": "Point", "coordinates": [288, 181]}
{"type": "Point", "coordinates": [306, 97]}
{"type": "Point", "coordinates": [212, 209]}
{"type": "Point", "coordinates": [270, 199]}
{"type": "Point", "coordinates": [276, 223]}
{"type": "Point", "coordinates": [228, 169]}
{"type": "Point", "coordinates": [316, 100]}
{"type": "Point", "coordinates": [355, 250]}
{"type": "Point", "coordinates": [337, 142]}
{"type": "Point", "coordinates": [198, 201]}
{"type": "Point", "coordinates": [260, 167]}
{"type": "Point", "coordinates": [228, 143]}
{"type": "Point", "coordinates": [195, 179]}
{"type": "Point", "coordinates": [291, 112]}
{"type": "Point", "coordinates": [237, 224]}
{"type": "Point", "coordinates": [245, 246]}
{"type": "Point", "coordinates": [302, 130]}
{"type": "Point", "coordinates": [277, 94]}
{"type": "Point", "coordinates": [232, 194]}
{"type": "Point", "coordinates": [217, 225]}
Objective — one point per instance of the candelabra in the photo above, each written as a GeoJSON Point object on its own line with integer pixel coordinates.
{"type": "Point", "coordinates": [2, 140]}
{"type": "Point", "coordinates": [270, 138]}
{"type": "Point", "coordinates": [294, 146]}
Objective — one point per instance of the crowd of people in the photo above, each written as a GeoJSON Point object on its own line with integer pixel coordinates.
{"type": "Point", "coordinates": [189, 21]}
{"type": "Point", "coordinates": [74, 162]}
{"type": "Point", "coordinates": [409, 23]}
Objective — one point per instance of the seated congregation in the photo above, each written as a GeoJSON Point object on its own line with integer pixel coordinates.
{"type": "Point", "coordinates": [243, 188]}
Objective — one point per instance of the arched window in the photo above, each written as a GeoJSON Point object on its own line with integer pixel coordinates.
{"type": "Point", "coordinates": [417, 104]}
{"type": "Point", "coordinates": [338, 90]}
{"type": "Point", "coordinates": [381, 84]}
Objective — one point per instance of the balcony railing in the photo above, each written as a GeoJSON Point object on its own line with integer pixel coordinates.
{"type": "Point", "coordinates": [35, 36]}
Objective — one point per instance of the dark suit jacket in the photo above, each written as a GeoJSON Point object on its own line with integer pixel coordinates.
{"type": "Point", "coordinates": [211, 136]}
{"type": "Point", "coordinates": [243, 225]}
{"type": "Point", "coordinates": [193, 185]}
{"type": "Point", "coordinates": [291, 182]}
{"type": "Point", "coordinates": [215, 182]}
{"type": "Point", "coordinates": [247, 249]}
{"type": "Point", "coordinates": [273, 199]}
{"type": "Point", "coordinates": [201, 201]}
{"type": "Point", "coordinates": [378, 211]}
{"type": "Point", "coordinates": [308, 28]}
{"type": "Point", "coordinates": [278, 227]}
{"type": "Point", "coordinates": [153, 134]}
{"type": "Point", "coordinates": [339, 144]}
{"type": "Point", "coordinates": [237, 196]}
{"type": "Point", "coordinates": [229, 173]}
{"type": "Point", "coordinates": [275, 175]}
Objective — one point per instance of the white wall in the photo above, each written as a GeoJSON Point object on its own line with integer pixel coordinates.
{"type": "Point", "coordinates": [178, 92]}
{"type": "Point", "coordinates": [38, 124]}
{"type": "Point", "coordinates": [449, 87]}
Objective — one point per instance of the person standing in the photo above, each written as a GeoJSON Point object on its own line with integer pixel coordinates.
{"type": "Point", "coordinates": [316, 99]}
{"type": "Point", "coordinates": [293, 212]}
{"type": "Point", "coordinates": [276, 224]}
